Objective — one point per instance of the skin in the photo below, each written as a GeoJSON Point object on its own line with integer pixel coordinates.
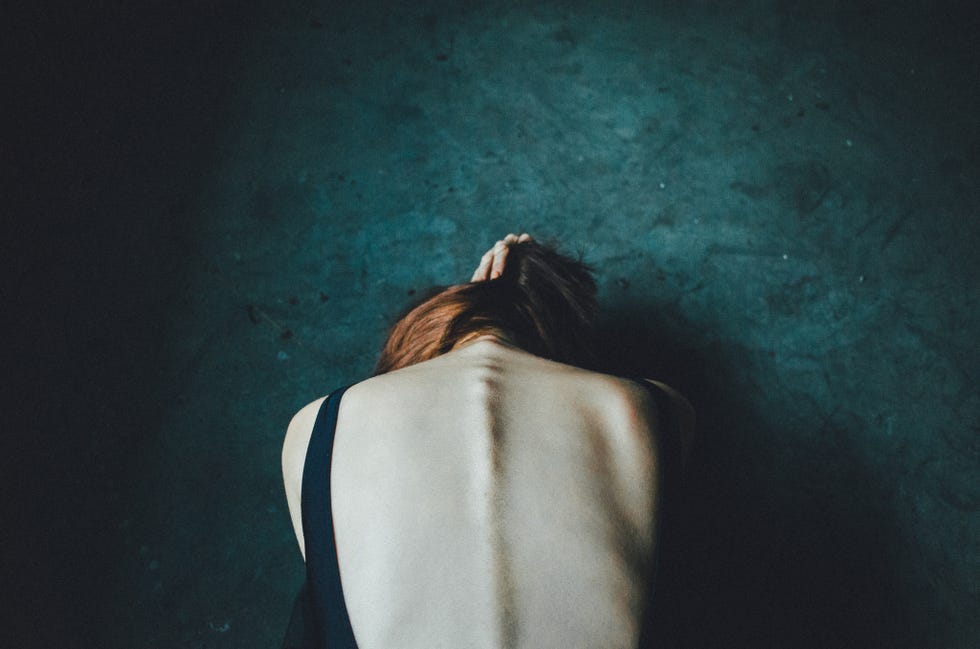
{"type": "Point", "coordinates": [490, 498]}
{"type": "Point", "coordinates": [492, 263]}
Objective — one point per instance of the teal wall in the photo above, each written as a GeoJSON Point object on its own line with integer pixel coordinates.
{"type": "Point", "coordinates": [221, 211]}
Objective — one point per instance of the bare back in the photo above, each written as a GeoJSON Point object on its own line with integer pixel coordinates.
{"type": "Point", "coordinates": [489, 498]}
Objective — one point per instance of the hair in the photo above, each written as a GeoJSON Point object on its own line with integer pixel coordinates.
{"type": "Point", "coordinates": [544, 302]}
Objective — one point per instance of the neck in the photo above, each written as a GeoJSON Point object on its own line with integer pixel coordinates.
{"type": "Point", "coordinates": [491, 336]}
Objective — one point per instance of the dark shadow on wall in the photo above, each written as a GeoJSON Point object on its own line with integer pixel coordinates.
{"type": "Point", "coordinates": [770, 548]}
{"type": "Point", "coordinates": [117, 108]}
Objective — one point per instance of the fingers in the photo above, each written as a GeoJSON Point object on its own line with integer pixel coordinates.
{"type": "Point", "coordinates": [483, 269]}
{"type": "Point", "coordinates": [493, 261]}
{"type": "Point", "coordinates": [499, 257]}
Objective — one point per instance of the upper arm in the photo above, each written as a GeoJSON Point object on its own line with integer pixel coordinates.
{"type": "Point", "coordinates": [293, 459]}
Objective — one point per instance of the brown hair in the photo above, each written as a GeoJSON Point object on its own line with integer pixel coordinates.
{"type": "Point", "coordinates": [544, 302]}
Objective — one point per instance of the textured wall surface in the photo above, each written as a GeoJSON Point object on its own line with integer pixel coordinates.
{"type": "Point", "coordinates": [781, 203]}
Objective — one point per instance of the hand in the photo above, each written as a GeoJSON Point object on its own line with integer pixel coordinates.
{"type": "Point", "coordinates": [492, 263]}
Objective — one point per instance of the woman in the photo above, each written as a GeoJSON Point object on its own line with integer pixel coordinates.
{"type": "Point", "coordinates": [483, 489]}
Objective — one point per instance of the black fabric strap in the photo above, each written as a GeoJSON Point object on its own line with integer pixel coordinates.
{"type": "Point", "coordinates": [668, 441]}
{"type": "Point", "coordinates": [331, 623]}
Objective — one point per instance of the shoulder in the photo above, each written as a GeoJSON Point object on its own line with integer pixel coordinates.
{"type": "Point", "coordinates": [294, 447]}
{"type": "Point", "coordinates": [637, 394]}
{"type": "Point", "coordinates": [633, 402]}
{"type": "Point", "coordinates": [621, 396]}
{"type": "Point", "coordinates": [298, 436]}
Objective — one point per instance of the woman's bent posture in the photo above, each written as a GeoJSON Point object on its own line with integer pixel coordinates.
{"type": "Point", "coordinates": [483, 490]}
